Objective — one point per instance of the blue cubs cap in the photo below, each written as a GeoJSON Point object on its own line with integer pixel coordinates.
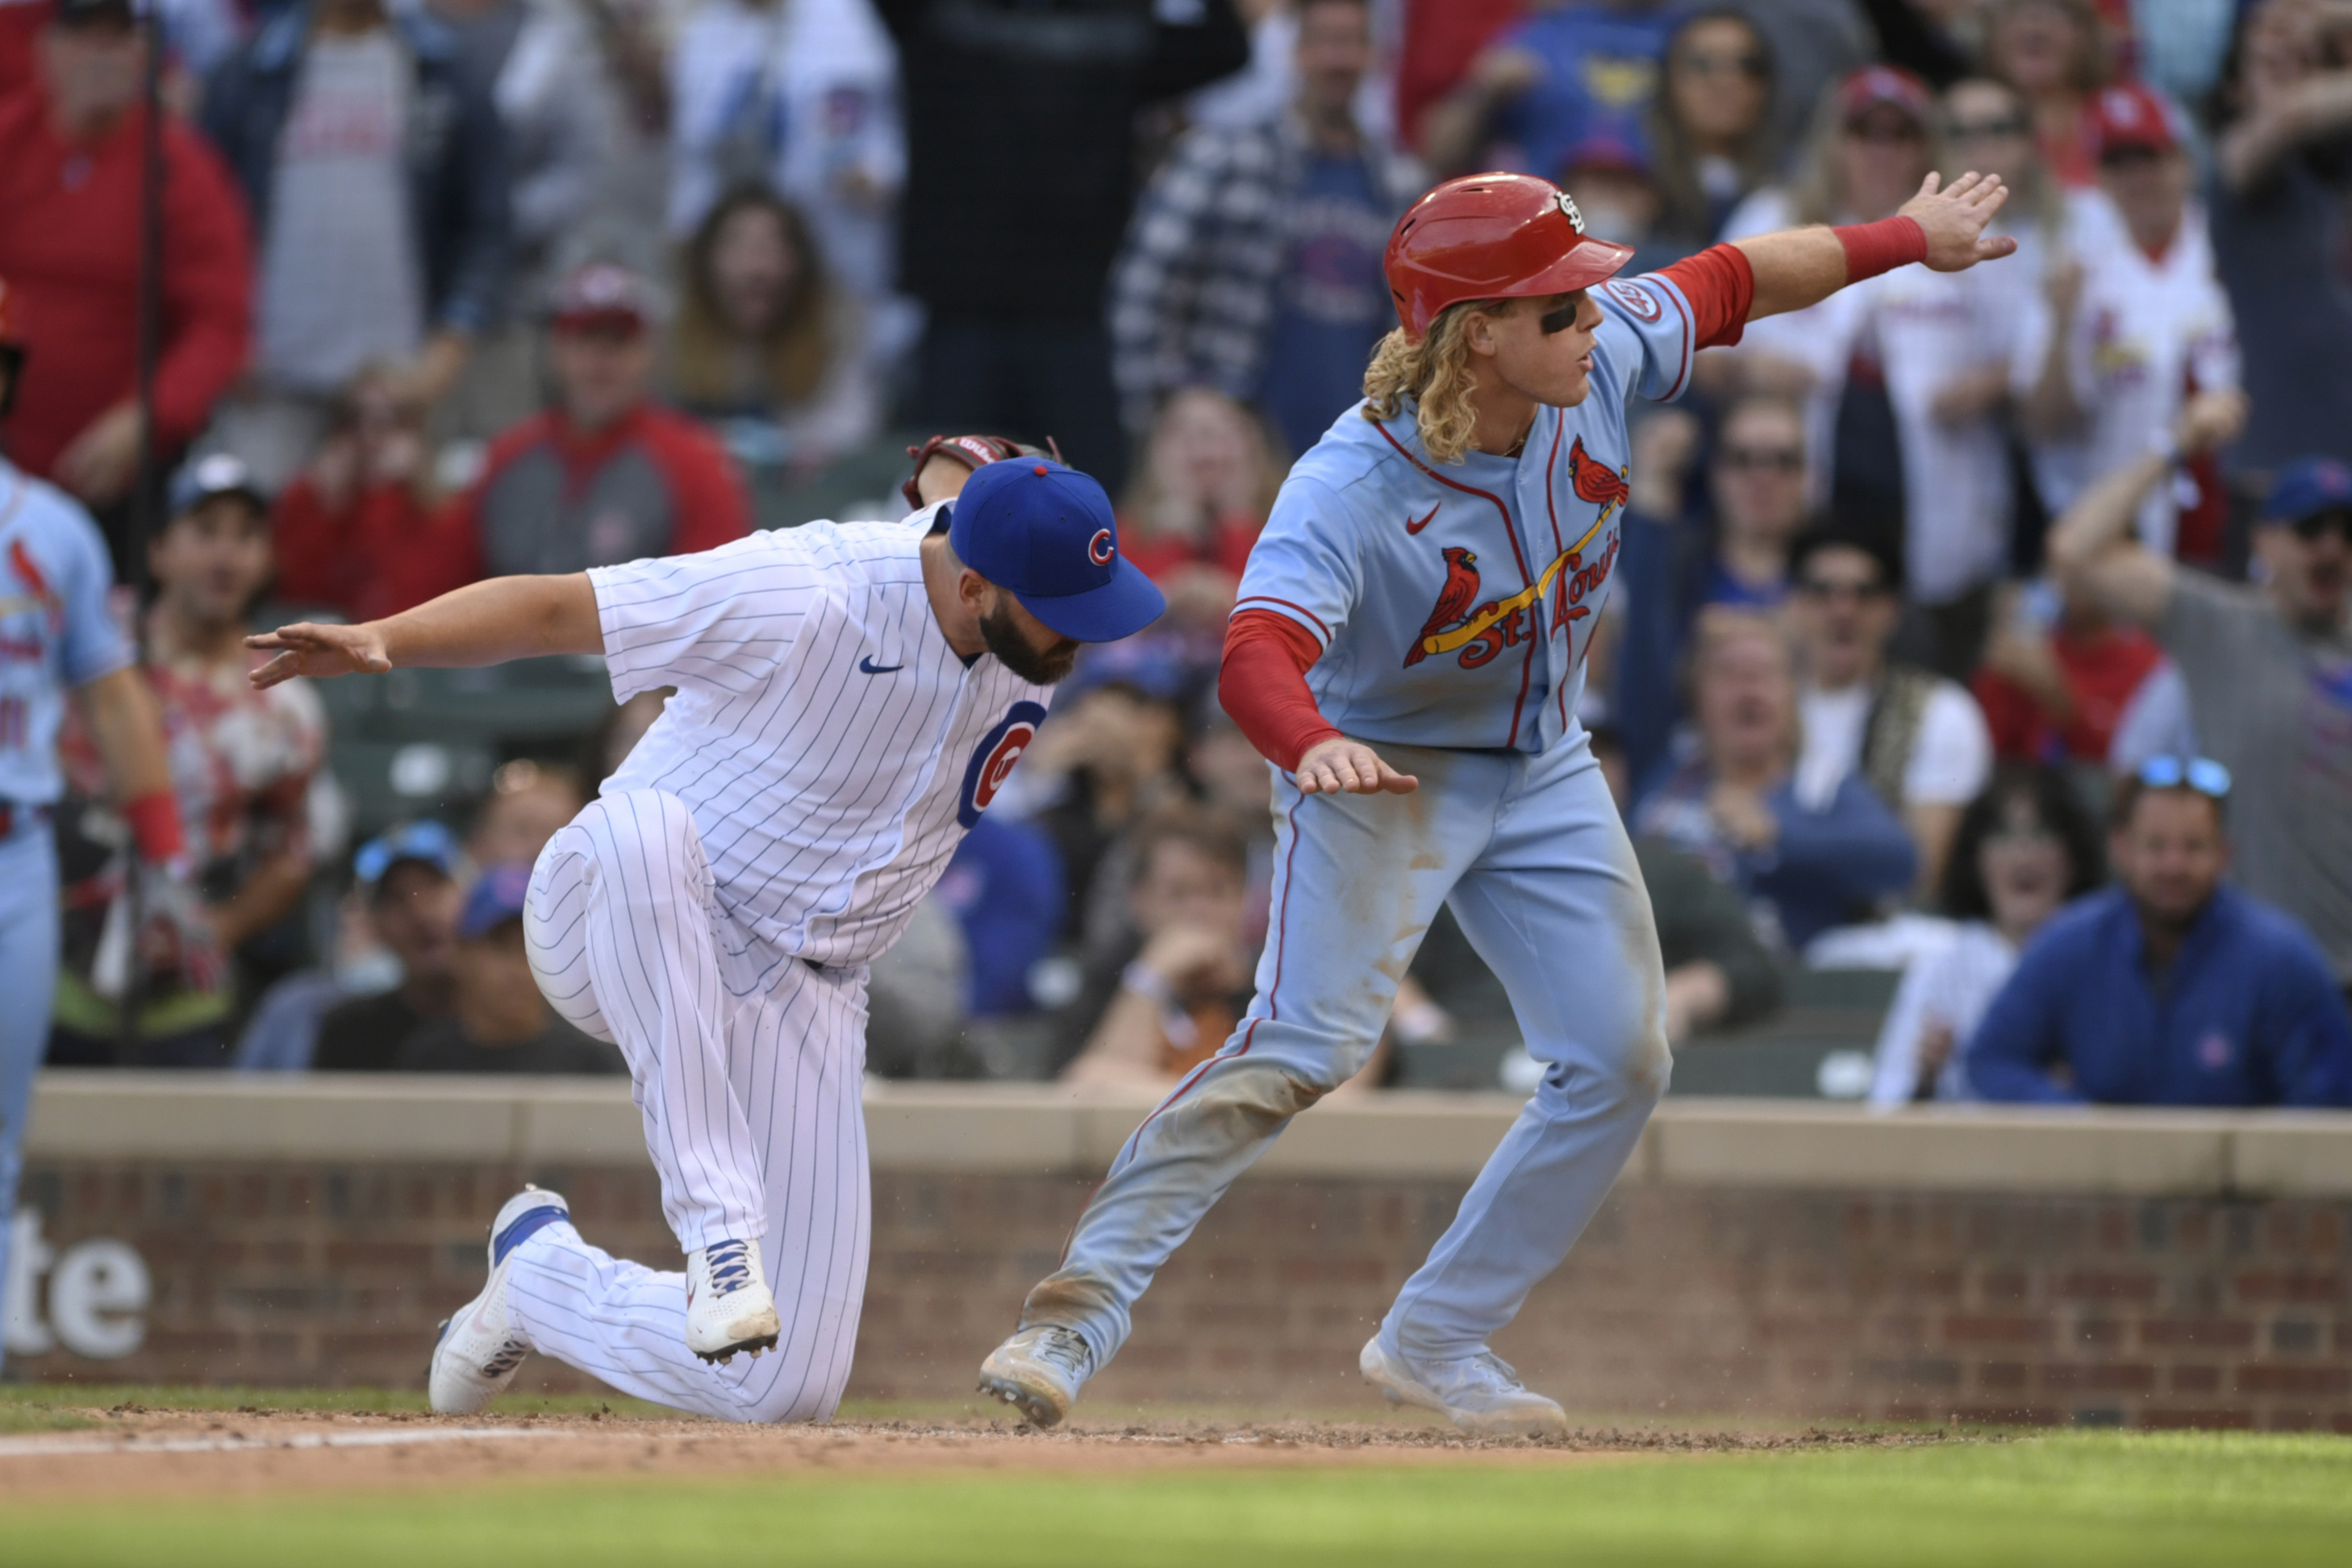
{"type": "Point", "coordinates": [496, 898]}
{"type": "Point", "coordinates": [427, 842]}
{"type": "Point", "coordinates": [2310, 486]}
{"type": "Point", "coordinates": [1045, 533]}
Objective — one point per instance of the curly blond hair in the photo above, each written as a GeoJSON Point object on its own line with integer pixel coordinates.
{"type": "Point", "coordinates": [1435, 374]}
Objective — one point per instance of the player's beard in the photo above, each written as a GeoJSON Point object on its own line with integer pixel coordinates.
{"type": "Point", "coordinates": [1012, 650]}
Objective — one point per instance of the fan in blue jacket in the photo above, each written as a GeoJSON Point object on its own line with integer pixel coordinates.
{"type": "Point", "coordinates": [2168, 988]}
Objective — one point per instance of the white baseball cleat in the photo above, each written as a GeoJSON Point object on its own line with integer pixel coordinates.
{"type": "Point", "coordinates": [728, 1306]}
{"type": "Point", "coordinates": [1481, 1394]}
{"type": "Point", "coordinates": [1038, 1370]}
{"type": "Point", "coordinates": [477, 1348]}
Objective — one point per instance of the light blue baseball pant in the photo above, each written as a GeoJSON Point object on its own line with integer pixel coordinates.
{"type": "Point", "coordinates": [28, 977]}
{"type": "Point", "coordinates": [1532, 857]}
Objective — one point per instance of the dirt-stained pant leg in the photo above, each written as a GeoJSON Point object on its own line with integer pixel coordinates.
{"type": "Point", "coordinates": [1358, 878]}
{"type": "Point", "coordinates": [1557, 908]}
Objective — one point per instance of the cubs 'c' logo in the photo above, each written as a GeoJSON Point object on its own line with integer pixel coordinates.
{"type": "Point", "coordinates": [993, 758]}
{"type": "Point", "coordinates": [1636, 298]}
{"type": "Point", "coordinates": [1100, 549]}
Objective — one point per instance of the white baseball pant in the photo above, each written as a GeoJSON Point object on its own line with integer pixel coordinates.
{"type": "Point", "coordinates": [747, 1066]}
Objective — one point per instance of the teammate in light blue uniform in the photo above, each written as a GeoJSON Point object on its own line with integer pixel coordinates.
{"type": "Point", "coordinates": [55, 639]}
{"type": "Point", "coordinates": [1435, 568]}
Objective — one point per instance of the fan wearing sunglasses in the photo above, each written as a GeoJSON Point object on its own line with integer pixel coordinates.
{"type": "Point", "coordinates": [2170, 987]}
{"type": "Point", "coordinates": [2268, 667]}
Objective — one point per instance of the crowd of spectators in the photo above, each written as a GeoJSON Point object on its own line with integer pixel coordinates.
{"type": "Point", "coordinates": [1917, 586]}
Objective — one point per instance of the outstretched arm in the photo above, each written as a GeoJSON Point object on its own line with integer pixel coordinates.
{"type": "Point", "coordinates": [2091, 545]}
{"type": "Point", "coordinates": [482, 623]}
{"type": "Point", "coordinates": [1943, 228]}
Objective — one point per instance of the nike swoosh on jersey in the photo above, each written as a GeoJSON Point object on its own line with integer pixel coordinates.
{"type": "Point", "coordinates": [870, 667]}
{"type": "Point", "coordinates": [1412, 527]}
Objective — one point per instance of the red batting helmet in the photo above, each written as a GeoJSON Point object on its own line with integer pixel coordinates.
{"type": "Point", "coordinates": [1491, 237]}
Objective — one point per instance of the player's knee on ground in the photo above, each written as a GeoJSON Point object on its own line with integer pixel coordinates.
{"type": "Point", "coordinates": [770, 1398]}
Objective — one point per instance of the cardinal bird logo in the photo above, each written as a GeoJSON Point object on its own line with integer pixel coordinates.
{"type": "Point", "coordinates": [27, 571]}
{"type": "Point", "coordinates": [40, 596]}
{"type": "Point", "coordinates": [1454, 600]}
{"type": "Point", "coordinates": [1595, 480]}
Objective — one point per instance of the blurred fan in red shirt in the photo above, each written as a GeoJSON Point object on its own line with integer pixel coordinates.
{"type": "Point", "coordinates": [601, 476]}
{"type": "Point", "coordinates": [2056, 690]}
{"type": "Point", "coordinates": [70, 187]}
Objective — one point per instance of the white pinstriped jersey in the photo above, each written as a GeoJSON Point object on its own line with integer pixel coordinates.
{"type": "Point", "coordinates": [830, 745]}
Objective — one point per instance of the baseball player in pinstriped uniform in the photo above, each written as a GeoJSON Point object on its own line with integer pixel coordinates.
{"type": "Point", "coordinates": [1407, 652]}
{"type": "Point", "coordinates": [850, 697]}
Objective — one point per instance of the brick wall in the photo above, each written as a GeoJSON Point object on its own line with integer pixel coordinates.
{"type": "Point", "coordinates": [1684, 1300]}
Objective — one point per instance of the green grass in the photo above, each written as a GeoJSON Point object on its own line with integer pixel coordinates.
{"type": "Point", "coordinates": [2083, 1500]}
{"type": "Point", "coordinates": [30, 1417]}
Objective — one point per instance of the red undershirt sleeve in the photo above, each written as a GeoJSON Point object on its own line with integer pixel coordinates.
{"type": "Point", "coordinates": [1721, 288]}
{"type": "Point", "coordinates": [1263, 684]}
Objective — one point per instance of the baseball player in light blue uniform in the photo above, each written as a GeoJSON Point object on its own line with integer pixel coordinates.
{"type": "Point", "coordinates": [1408, 649]}
{"type": "Point", "coordinates": [57, 641]}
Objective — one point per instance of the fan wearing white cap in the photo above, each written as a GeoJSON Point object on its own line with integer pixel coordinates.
{"type": "Point", "coordinates": [242, 765]}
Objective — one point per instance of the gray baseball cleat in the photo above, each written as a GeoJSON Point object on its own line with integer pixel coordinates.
{"type": "Point", "coordinates": [1481, 1394]}
{"type": "Point", "coordinates": [477, 1348]}
{"type": "Point", "coordinates": [1039, 1371]}
{"type": "Point", "coordinates": [727, 1304]}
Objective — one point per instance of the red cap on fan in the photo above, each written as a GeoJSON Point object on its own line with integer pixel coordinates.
{"type": "Point", "coordinates": [1491, 237]}
{"type": "Point", "coordinates": [2132, 116]}
{"type": "Point", "coordinates": [1866, 88]}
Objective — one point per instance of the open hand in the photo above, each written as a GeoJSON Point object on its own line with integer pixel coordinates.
{"type": "Point", "coordinates": [1954, 220]}
{"type": "Point", "coordinates": [1342, 766]}
{"type": "Point", "coordinates": [307, 648]}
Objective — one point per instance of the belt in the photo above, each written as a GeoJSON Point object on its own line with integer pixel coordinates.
{"type": "Point", "coordinates": [14, 815]}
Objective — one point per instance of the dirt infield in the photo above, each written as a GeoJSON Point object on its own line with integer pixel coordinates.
{"type": "Point", "coordinates": [132, 1450]}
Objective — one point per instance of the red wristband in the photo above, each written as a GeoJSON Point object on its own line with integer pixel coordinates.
{"type": "Point", "coordinates": [1872, 248]}
{"type": "Point", "coordinates": [155, 820]}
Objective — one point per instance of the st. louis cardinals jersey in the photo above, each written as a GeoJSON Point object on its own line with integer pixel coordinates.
{"type": "Point", "coordinates": [1454, 602]}
{"type": "Point", "coordinates": [55, 633]}
{"type": "Point", "coordinates": [829, 745]}
{"type": "Point", "coordinates": [2147, 332]}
